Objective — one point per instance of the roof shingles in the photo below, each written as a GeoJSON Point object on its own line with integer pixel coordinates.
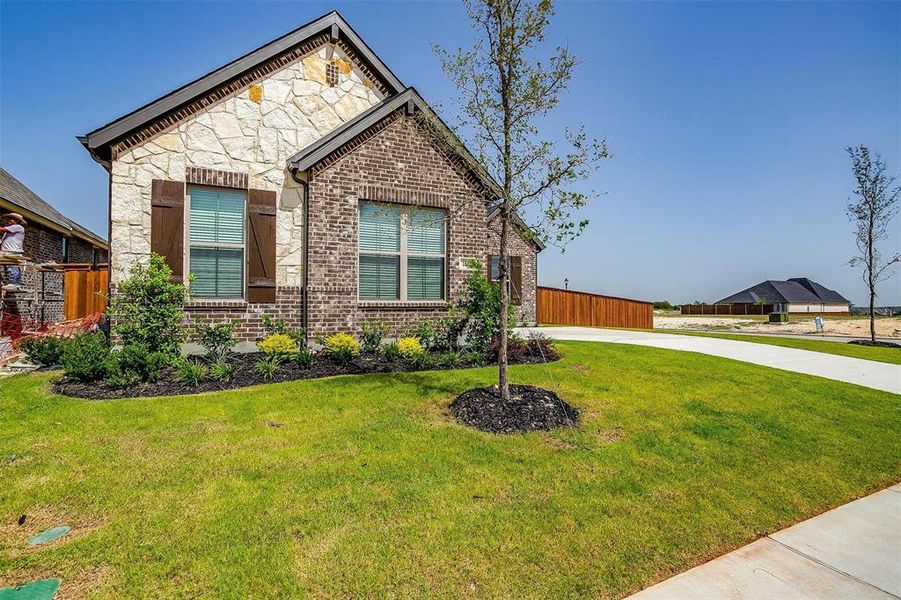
{"type": "Point", "coordinates": [795, 290]}
{"type": "Point", "coordinates": [18, 194]}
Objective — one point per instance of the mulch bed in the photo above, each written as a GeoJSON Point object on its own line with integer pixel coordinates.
{"type": "Point", "coordinates": [530, 409]}
{"type": "Point", "coordinates": [247, 376]}
{"type": "Point", "coordinates": [876, 344]}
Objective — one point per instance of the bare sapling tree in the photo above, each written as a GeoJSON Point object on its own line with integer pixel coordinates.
{"type": "Point", "coordinates": [873, 204]}
{"type": "Point", "coordinates": [505, 88]}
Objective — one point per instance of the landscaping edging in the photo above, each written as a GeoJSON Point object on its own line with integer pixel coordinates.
{"type": "Point", "coordinates": [248, 376]}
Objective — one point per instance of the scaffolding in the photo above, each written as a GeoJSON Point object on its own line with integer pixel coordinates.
{"type": "Point", "coordinates": [36, 307]}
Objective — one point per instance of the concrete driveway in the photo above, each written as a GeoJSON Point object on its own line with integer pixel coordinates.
{"type": "Point", "coordinates": [853, 551]}
{"type": "Point", "coordinates": [868, 373]}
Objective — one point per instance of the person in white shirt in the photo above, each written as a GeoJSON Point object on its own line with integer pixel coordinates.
{"type": "Point", "coordinates": [13, 242]}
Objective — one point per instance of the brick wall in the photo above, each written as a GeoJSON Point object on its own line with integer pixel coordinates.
{"type": "Point", "coordinates": [248, 317]}
{"type": "Point", "coordinates": [42, 245]}
{"type": "Point", "coordinates": [517, 245]}
{"type": "Point", "coordinates": [397, 162]}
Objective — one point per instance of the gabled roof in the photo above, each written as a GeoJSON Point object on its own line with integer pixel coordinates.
{"type": "Point", "coordinates": [411, 101]}
{"type": "Point", "coordinates": [16, 193]}
{"type": "Point", "coordinates": [333, 23]}
{"type": "Point", "coordinates": [798, 289]}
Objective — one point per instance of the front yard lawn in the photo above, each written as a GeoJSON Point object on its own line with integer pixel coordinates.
{"type": "Point", "coordinates": [888, 355]}
{"type": "Point", "coordinates": [363, 486]}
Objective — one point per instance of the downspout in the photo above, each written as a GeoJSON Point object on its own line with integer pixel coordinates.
{"type": "Point", "coordinates": [305, 244]}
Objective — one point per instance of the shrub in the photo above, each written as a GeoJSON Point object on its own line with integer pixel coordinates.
{"type": "Point", "coordinates": [268, 365]}
{"type": "Point", "coordinates": [222, 370]}
{"type": "Point", "coordinates": [278, 344]}
{"type": "Point", "coordinates": [85, 357]}
{"type": "Point", "coordinates": [542, 346]}
{"type": "Point", "coordinates": [147, 308]}
{"type": "Point", "coordinates": [447, 359]}
{"type": "Point", "coordinates": [423, 360]}
{"type": "Point", "coordinates": [218, 340]}
{"type": "Point", "coordinates": [271, 326]}
{"type": "Point", "coordinates": [409, 347]}
{"type": "Point", "coordinates": [480, 304]}
{"type": "Point", "coordinates": [440, 335]}
{"type": "Point", "coordinates": [189, 371]}
{"type": "Point", "coordinates": [139, 361]}
{"type": "Point", "coordinates": [473, 358]}
{"type": "Point", "coordinates": [391, 352]}
{"type": "Point", "coordinates": [45, 350]}
{"type": "Point", "coordinates": [118, 379]}
{"type": "Point", "coordinates": [304, 358]}
{"type": "Point", "coordinates": [342, 347]}
{"type": "Point", "coordinates": [371, 338]}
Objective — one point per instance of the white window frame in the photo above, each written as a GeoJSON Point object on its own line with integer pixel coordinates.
{"type": "Point", "coordinates": [405, 211]}
{"type": "Point", "coordinates": [189, 244]}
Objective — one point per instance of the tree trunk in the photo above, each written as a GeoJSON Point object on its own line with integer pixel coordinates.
{"type": "Point", "coordinates": [871, 260]}
{"type": "Point", "coordinates": [503, 383]}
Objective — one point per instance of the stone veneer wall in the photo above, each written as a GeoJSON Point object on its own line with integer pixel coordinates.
{"type": "Point", "coordinates": [396, 163]}
{"type": "Point", "coordinates": [253, 132]}
{"type": "Point", "coordinates": [517, 245]}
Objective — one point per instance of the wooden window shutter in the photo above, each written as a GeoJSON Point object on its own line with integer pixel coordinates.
{"type": "Point", "coordinates": [516, 280]}
{"type": "Point", "coordinates": [167, 224]}
{"type": "Point", "coordinates": [260, 246]}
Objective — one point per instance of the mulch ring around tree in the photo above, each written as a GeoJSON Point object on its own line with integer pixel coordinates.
{"type": "Point", "coordinates": [530, 409]}
{"type": "Point", "coordinates": [247, 375]}
{"type": "Point", "coordinates": [876, 344]}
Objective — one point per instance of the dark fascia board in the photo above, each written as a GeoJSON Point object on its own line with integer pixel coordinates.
{"type": "Point", "coordinates": [494, 212]}
{"type": "Point", "coordinates": [337, 138]}
{"type": "Point", "coordinates": [171, 101]}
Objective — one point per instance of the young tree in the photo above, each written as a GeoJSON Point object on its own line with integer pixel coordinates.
{"type": "Point", "coordinates": [870, 209]}
{"type": "Point", "coordinates": [505, 88]}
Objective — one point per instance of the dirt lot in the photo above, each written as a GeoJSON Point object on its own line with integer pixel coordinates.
{"type": "Point", "coordinates": [885, 326]}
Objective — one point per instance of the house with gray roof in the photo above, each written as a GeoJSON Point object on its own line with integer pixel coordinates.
{"type": "Point", "coordinates": [795, 295]}
{"type": "Point", "coordinates": [305, 181]}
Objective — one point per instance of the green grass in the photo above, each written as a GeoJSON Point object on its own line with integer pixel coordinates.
{"type": "Point", "coordinates": [362, 486]}
{"type": "Point", "coordinates": [887, 355]}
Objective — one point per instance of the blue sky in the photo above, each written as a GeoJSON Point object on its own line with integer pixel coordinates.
{"type": "Point", "coordinates": [726, 121]}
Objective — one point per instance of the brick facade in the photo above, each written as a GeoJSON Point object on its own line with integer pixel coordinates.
{"type": "Point", "coordinates": [400, 164]}
{"type": "Point", "coordinates": [45, 245]}
{"type": "Point", "coordinates": [517, 245]}
{"type": "Point", "coordinates": [397, 163]}
{"type": "Point", "coordinates": [247, 316]}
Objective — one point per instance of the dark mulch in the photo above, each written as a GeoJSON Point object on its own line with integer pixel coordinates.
{"type": "Point", "coordinates": [530, 409]}
{"type": "Point", "coordinates": [876, 344]}
{"type": "Point", "coordinates": [247, 375]}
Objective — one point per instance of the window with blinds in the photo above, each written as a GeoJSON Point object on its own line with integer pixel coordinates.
{"type": "Point", "coordinates": [216, 243]}
{"type": "Point", "coordinates": [402, 252]}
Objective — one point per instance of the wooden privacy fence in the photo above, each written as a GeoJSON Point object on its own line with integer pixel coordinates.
{"type": "Point", "coordinates": [727, 309]}
{"type": "Point", "coordinates": [564, 307]}
{"type": "Point", "coordinates": [84, 290]}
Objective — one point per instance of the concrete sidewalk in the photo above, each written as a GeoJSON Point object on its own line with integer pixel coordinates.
{"type": "Point", "coordinates": [877, 375]}
{"type": "Point", "coordinates": [853, 551]}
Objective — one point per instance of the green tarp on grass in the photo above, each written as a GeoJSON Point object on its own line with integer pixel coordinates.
{"type": "Point", "coordinates": [42, 589]}
{"type": "Point", "coordinates": [48, 536]}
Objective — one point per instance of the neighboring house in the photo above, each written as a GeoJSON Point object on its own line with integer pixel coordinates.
{"type": "Point", "coordinates": [306, 182]}
{"type": "Point", "coordinates": [796, 295]}
{"type": "Point", "coordinates": [50, 237]}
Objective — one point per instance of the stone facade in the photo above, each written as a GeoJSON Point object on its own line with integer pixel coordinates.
{"type": "Point", "coordinates": [244, 140]}
{"type": "Point", "coordinates": [517, 245]}
{"type": "Point", "coordinates": [253, 132]}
